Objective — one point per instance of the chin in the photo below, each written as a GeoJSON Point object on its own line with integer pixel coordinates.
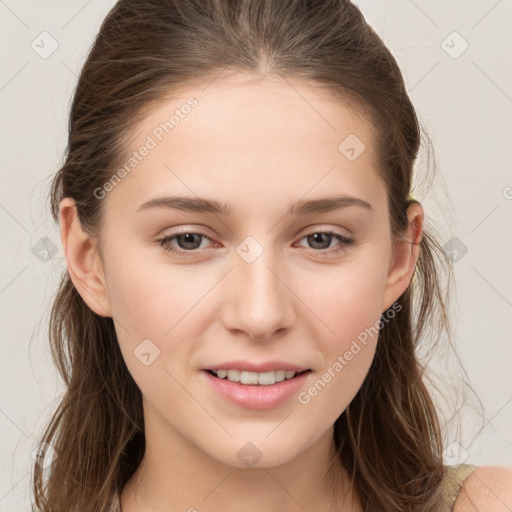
{"type": "Point", "coordinates": [256, 453]}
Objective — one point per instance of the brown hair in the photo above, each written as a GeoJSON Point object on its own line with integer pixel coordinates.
{"type": "Point", "coordinates": [389, 438]}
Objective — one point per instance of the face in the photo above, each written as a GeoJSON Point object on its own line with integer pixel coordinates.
{"type": "Point", "coordinates": [191, 289]}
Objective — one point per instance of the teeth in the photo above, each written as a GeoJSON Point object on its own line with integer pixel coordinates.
{"type": "Point", "coordinates": [280, 375]}
{"type": "Point", "coordinates": [249, 377]}
{"type": "Point", "coordinates": [264, 379]}
{"type": "Point", "coordinates": [234, 375]}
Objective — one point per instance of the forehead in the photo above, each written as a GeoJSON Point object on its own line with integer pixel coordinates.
{"type": "Point", "coordinates": [259, 135]}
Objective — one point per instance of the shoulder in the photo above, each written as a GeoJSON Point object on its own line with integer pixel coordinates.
{"type": "Point", "coordinates": [487, 488]}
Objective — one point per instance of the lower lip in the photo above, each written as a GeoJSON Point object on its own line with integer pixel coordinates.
{"type": "Point", "coordinates": [256, 396]}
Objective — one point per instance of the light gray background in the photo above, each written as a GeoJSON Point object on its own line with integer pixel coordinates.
{"type": "Point", "coordinates": [465, 103]}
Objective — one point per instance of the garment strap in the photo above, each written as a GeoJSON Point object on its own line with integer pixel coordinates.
{"type": "Point", "coordinates": [455, 476]}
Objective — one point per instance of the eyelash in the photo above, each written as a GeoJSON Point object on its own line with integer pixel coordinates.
{"type": "Point", "coordinates": [343, 246]}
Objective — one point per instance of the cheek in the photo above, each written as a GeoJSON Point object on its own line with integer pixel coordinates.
{"type": "Point", "coordinates": [347, 356]}
{"type": "Point", "coordinates": [150, 314]}
{"type": "Point", "coordinates": [346, 300]}
{"type": "Point", "coordinates": [348, 304]}
{"type": "Point", "coordinates": [149, 297]}
{"type": "Point", "coordinates": [155, 307]}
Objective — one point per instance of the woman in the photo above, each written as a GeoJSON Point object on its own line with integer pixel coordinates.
{"type": "Point", "coordinates": [238, 325]}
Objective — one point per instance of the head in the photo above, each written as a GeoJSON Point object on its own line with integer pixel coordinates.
{"type": "Point", "coordinates": [270, 121]}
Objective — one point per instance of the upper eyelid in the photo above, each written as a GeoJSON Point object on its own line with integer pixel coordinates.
{"type": "Point", "coordinates": [307, 230]}
{"type": "Point", "coordinates": [304, 235]}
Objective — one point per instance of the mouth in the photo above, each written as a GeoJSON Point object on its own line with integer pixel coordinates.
{"type": "Point", "coordinates": [256, 378]}
{"type": "Point", "coordinates": [256, 390]}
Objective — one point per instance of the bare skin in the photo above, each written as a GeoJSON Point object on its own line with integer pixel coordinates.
{"type": "Point", "coordinates": [260, 147]}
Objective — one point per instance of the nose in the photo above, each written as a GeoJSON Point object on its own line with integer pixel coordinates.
{"type": "Point", "coordinates": [259, 301]}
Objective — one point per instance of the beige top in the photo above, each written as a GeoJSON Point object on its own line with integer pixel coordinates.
{"type": "Point", "coordinates": [455, 477]}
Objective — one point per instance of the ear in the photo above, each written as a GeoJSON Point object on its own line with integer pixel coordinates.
{"type": "Point", "coordinates": [83, 260]}
{"type": "Point", "coordinates": [404, 258]}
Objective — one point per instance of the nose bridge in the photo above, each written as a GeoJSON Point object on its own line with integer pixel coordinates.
{"type": "Point", "coordinates": [260, 301]}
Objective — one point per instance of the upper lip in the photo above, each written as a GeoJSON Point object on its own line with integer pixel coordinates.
{"type": "Point", "coordinates": [266, 366]}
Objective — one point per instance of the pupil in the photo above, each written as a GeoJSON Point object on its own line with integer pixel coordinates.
{"type": "Point", "coordinates": [317, 237]}
{"type": "Point", "coordinates": [188, 240]}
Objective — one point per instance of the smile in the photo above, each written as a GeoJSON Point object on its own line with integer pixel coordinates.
{"type": "Point", "coordinates": [254, 378]}
{"type": "Point", "coordinates": [253, 390]}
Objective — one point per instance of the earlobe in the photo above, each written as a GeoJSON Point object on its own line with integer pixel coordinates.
{"type": "Point", "coordinates": [405, 257]}
{"type": "Point", "coordinates": [83, 260]}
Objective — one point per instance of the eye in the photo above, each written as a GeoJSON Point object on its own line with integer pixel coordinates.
{"type": "Point", "coordinates": [321, 240]}
{"type": "Point", "coordinates": [190, 242]}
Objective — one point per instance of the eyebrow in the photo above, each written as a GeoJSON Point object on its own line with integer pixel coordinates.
{"type": "Point", "coordinates": [203, 205]}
